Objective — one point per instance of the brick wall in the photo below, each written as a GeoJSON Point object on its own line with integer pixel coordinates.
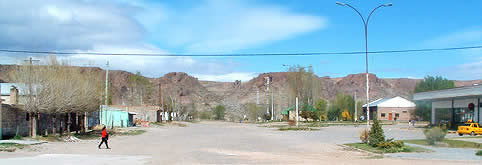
{"type": "Point", "coordinates": [146, 113]}
{"type": "Point", "coordinates": [404, 113]}
{"type": "Point", "coordinates": [13, 120]}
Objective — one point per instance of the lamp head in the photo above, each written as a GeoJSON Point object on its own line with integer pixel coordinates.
{"type": "Point", "coordinates": [341, 4]}
{"type": "Point", "coordinates": [387, 5]}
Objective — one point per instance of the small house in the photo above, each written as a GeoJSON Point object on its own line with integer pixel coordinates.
{"type": "Point", "coordinates": [395, 108]}
{"type": "Point", "coordinates": [114, 117]}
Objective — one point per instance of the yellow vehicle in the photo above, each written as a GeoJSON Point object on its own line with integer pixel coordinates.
{"type": "Point", "coordinates": [469, 128]}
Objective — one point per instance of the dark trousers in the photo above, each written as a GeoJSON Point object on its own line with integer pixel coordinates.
{"type": "Point", "coordinates": [104, 140]}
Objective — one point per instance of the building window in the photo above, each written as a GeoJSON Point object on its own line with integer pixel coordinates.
{"type": "Point", "coordinates": [404, 111]}
{"type": "Point", "coordinates": [397, 115]}
{"type": "Point", "coordinates": [383, 114]}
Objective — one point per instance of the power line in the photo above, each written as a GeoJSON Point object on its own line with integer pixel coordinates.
{"type": "Point", "coordinates": [240, 54]}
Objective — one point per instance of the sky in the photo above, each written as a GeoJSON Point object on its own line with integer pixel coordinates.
{"type": "Point", "coordinates": [249, 26]}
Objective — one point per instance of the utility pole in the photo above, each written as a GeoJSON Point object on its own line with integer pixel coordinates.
{"type": "Point", "coordinates": [279, 102]}
{"type": "Point", "coordinates": [267, 94]}
{"type": "Point", "coordinates": [257, 96]}
{"type": "Point", "coordinates": [296, 111]}
{"type": "Point", "coordinates": [161, 101]}
{"type": "Point", "coordinates": [30, 97]}
{"type": "Point", "coordinates": [107, 94]}
{"type": "Point", "coordinates": [355, 108]}
{"type": "Point", "coordinates": [107, 84]}
{"type": "Point", "coordinates": [272, 106]}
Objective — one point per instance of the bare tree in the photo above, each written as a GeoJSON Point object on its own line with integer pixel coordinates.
{"type": "Point", "coordinates": [56, 88]}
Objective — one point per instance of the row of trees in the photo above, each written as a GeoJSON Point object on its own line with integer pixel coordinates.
{"type": "Point", "coordinates": [342, 108]}
{"type": "Point", "coordinates": [139, 90]}
{"type": "Point", "coordinates": [57, 88]}
{"type": "Point", "coordinates": [429, 83]}
{"type": "Point", "coordinates": [305, 85]}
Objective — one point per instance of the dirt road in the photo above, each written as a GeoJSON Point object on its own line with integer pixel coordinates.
{"type": "Point", "coordinates": [211, 143]}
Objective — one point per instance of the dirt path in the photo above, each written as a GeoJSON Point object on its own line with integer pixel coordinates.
{"type": "Point", "coordinates": [208, 143]}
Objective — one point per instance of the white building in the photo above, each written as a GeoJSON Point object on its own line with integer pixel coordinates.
{"type": "Point", "coordinates": [395, 108]}
{"type": "Point", "coordinates": [454, 106]}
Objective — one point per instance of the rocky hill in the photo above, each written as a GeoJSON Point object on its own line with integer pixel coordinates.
{"type": "Point", "coordinates": [207, 94]}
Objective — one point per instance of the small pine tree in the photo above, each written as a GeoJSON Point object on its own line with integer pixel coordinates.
{"type": "Point", "coordinates": [376, 134]}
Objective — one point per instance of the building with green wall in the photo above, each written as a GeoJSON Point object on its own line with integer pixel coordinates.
{"type": "Point", "coordinates": [115, 117]}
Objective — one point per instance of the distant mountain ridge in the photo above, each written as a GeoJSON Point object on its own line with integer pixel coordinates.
{"type": "Point", "coordinates": [206, 94]}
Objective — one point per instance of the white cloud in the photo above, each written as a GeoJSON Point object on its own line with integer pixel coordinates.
{"type": "Point", "coordinates": [138, 26]}
{"type": "Point", "coordinates": [226, 26]}
{"type": "Point", "coordinates": [229, 77]}
{"type": "Point", "coordinates": [466, 36]}
{"type": "Point", "coordinates": [472, 67]}
{"type": "Point", "coordinates": [467, 71]}
{"type": "Point", "coordinates": [67, 25]}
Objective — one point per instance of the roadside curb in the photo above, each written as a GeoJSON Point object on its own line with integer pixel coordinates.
{"type": "Point", "coordinates": [24, 142]}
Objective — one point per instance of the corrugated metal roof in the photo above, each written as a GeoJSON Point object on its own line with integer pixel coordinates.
{"type": "Point", "coordinates": [449, 93]}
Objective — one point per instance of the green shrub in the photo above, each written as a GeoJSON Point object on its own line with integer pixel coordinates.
{"type": "Point", "coordinates": [396, 149]}
{"type": "Point", "coordinates": [391, 144]}
{"type": "Point", "coordinates": [434, 134]}
{"type": "Point", "coordinates": [219, 112]}
{"type": "Point", "coordinates": [17, 137]}
{"type": "Point", "coordinates": [376, 134]}
{"type": "Point", "coordinates": [206, 115]}
{"type": "Point", "coordinates": [479, 153]}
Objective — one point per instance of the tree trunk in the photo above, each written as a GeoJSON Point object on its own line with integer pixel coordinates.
{"type": "Point", "coordinates": [16, 120]}
{"type": "Point", "coordinates": [76, 123]}
{"type": "Point", "coordinates": [54, 123]}
{"type": "Point", "coordinates": [68, 123]}
{"type": "Point", "coordinates": [86, 122]}
{"type": "Point", "coordinates": [29, 117]}
{"type": "Point", "coordinates": [34, 125]}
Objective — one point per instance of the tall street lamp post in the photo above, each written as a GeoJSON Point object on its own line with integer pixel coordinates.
{"type": "Point", "coordinates": [365, 24]}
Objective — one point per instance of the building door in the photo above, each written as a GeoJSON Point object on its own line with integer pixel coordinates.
{"type": "Point", "coordinates": [389, 116]}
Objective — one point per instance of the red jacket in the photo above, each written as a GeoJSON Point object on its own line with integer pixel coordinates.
{"type": "Point", "coordinates": [104, 133]}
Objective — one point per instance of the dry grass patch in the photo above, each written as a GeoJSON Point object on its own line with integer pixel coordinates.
{"type": "Point", "coordinates": [298, 129]}
{"type": "Point", "coordinates": [10, 147]}
{"type": "Point", "coordinates": [448, 143]}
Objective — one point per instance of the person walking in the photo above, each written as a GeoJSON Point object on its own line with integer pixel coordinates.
{"type": "Point", "coordinates": [105, 137]}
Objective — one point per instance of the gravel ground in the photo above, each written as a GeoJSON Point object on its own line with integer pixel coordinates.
{"type": "Point", "coordinates": [220, 143]}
